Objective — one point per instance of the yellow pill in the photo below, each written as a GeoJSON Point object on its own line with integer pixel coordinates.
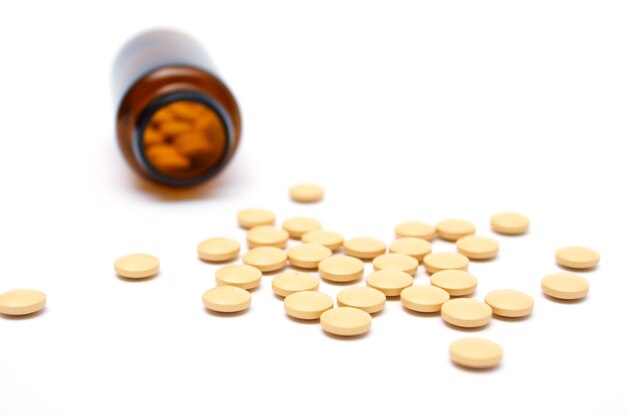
{"type": "Point", "coordinates": [227, 299]}
{"type": "Point", "coordinates": [367, 299]}
{"type": "Point", "coordinates": [396, 261]}
{"type": "Point", "coordinates": [298, 226]}
{"type": "Point", "coordinates": [218, 249]}
{"type": "Point", "coordinates": [454, 229]}
{"type": "Point", "coordinates": [267, 236]}
{"type": "Point", "coordinates": [411, 246]}
{"type": "Point", "coordinates": [254, 217]}
{"type": "Point", "coordinates": [331, 240]}
{"type": "Point", "coordinates": [266, 258]}
{"type": "Point", "coordinates": [21, 302]}
{"type": "Point", "coordinates": [565, 286]}
{"type": "Point", "coordinates": [509, 223]}
{"type": "Point", "coordinates": [466, 312]}
{"type": "Point", "coordinates": [416, 229]}
{"type": "Point", "coordinates": [510, 303]}
{"type": "Point", "coordinates": [346, 321]}
{"type": "Point", "coordinates": [294, 281]}
{"type": "Point", "coordinates": [341, 268]}
{"type": "Point", "coordinates": [389, 281]}
{"type": "Point", "coordinates": [307, 305]}
{"type": "Point", "coordinates": [477, 247]}
{"type": "Point", "coordinates": [242, 276]}
{"type": "Point", "coordinates": [441, 261]}
{"type": "Point", "coordinates": [152, 136]}
{"type": "Point", "coordinates": [308, 255]}
{"type": "Point", "coordinates": [577, 257]}
{"type": "Point", "coordinates": [476, 353]}
{"type": "Point", "coordinates": [423, 298]}
{"type": "Point", "coordinates": [454, 282]}
{"type": "Point", "coordinates": [364, 247]}
{"type": "Point", "coordinates": [306, 193]}
{"type": "Point", "coordinates": [137, 266]}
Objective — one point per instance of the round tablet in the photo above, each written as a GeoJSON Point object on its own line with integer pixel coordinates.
{"type": "Point", "coordinates": [423, 298]}
{"type": "Point", "coordinates": [367, 299]}
{"type": "Point", "coordinates": [254, 217]}
{"type": "Point", "coordinates": [454, 282]}
{"type": "Point", "coordinates": [396, 261]}
{"type": "Point", "coordinates": [307, 305]}
{"type": "Point", "coordinates": [466, 312]}
{"type": "Point", "coordinates": [137, 266]}
{"type": "Point", "coordinates": [454, 229]}
{"type": "Point", "coordinates": [242, 276]}
{"type": "Point", "coordinates": [346, 321]}
{"type": "Point", "coordinates": [331, 240]}
{"type": "Point", "coordinates": [389, 281]}
{"type": "Point", "coordinates": [509, 223]}
{"type": "Point", "coordinates": [416, 229]}
{"type": "Point", "coordinates": [294, 281]}
{"type": "Point", "coordinates": [341, 268]}
{"type": "Point", "coordinates": [306, 193]}
{"type": "Point", "coordinates": [474, 352]}
{"type": "Point", "coordinates": [510, 303]}
{"type": "Point", "coordinates": [441, 261]}
{"type": "Point", "coordinates": [218, 249]}
{"type": "Point", "coordinates": [565, 286]}
{"type": "Point", "coordinates": [21, 302]}
{"type": "Point", "coordinates": [227, 299]}
{"type": "Point", "coordinates": [267, 236]}
{"type": "Point", "coordinates": [297, 226]}
{"type": "Point", "coordinates": [308, 255]}
{"type": "Point", "coordinates": [266, 258]}
{"type": "Point", "coordinates": [577, 257]}
{"type": "Point", "coordinates": [364, 247]}
{"type": "Point", "coordinates": [411, 246]}
{"type": "Point", "coordinates": [478, 247]}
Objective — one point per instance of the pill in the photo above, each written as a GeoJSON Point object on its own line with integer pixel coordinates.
{"type": "Point", "coordinates": [510, 303]}
{"type": "Point", "coordinates": [416, 229]}
{"type": "Point", "coordinates": [565, 286]}
{"type": "Point", "coordinates": [267, 236]}
{"type": "Point", "coordinates": [298, 226]}
{"type": "Point", "coordinates": [152, 136]}
{"type": "Point", "coordinates": [306, 193]}
{"type": "Point", "coordinates": [454, 229]}
{"type": "Point", "coordinates": [364, 247]}
{"type": "Point", "coordinates": [227, 299]}
{"type": "Point", "coordinates": [307, 305]}
{"type": "Point", "coordinates": [577, 257]}
{"type": "Point", "coordinates": [478, 247]}
{"type": "Point", "coordinates": [509, 223]}
{"type": "Point", "coordinates": [266, 258]}
{"type": "Point", "coordinates": [423, 298]}
{"type": "Point", "coordinates": [466, 312]}
{"type": "Point", "coordinates": [440, 261]}
{"type": "Point", "coordinates": [389, 281]}
{"type": "Point", "coordinates": [218, 249]}
{"type": "Point", "coordinates": [137, 266]}
{"type": "Point", "coordinates": [253, 217]}
{"type": "Point", "coordinates": [308, 255]}
{"type": "Point", "coordinates": [331, 240]}
{"type": "Point", "coordinates": [192, 144]}
{"type": "Point", "coordinates": [242, 276]}
{"type": "Point", "coordinates": [175, 127]}
{"type": "Point", "coordinates": [346, 321]}
{"type": "Point", "coordinates": [341, 268]}
{"type": "Point", "coordinates": [294, 281]}
{"type": "Point", "coordinates": [474, 352]}
{"type": "Point", "coordinates": [367, 299]}
{"type": "Point", "coordinates": [454, 282]}
{"type": "Point", "coordinates": [166, 158]}
{"type": "Point", "coordinates": [21, 302]}
{"type": "Point", "coordinates": [396, 261]}
{"type": "Point", "coordinates": [411, 246]}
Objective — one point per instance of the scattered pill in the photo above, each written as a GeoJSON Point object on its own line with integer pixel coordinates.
{"type": "Point", "coordinates": [254, 217]}
{"type": "Point", "coordinates": [21, 302]}
{"type": "Point", "coordinates": [509, 223]}
{"type": "Point", "coordinates": [218, 249]}
{"type": "Point", "coordinates": [307, 305]}
{"type": "Point", "coordinates": [306, 193]}
{"type": "Point", "coordinates": [227, 299]}
{"type": "Point", "coordinates": [267, 236]}
{"type": "Point", "coordinates": [565, 286]}
{"type": "Point", "coordinates": [389, 281]}
{"type": "Point", "coordinates": [266, 258]}
{"type": "Point", "coordinates": [474, 352]}
{"type": "Point", "coordinates": [137, 266]}
{"type": "Point", "coordinates": [242, 276]}
{"type": "Point", "coordinates": [466, 312]}
{"type": "Point", "coordinates": [331, 240]}
{"type": "Point", "coordinates": [454, 229]}
{"type": "Point", "coordinates": [396, 261]}
{"type": "Point", "coordinates": [294, 281]}
{"type": "Point", "coordinates": [346, 321]}
{"type": "Point", "coordinates": [478, 247]}
{"type": "Point", "coordinates": [454, 282]}
{"type": "Point", "coordinates": [364, 247]}
{"type": "Point", "coordinates": [411, 246]}
{"type": "Point", "coordinates": [577, 257]}
{"type": "Point", "coordinates": [423, 298]}
{"type": "Point", "coordinates": [341, 268]}
{"type": "Point", "coordinates": [441, 261]}
{"type": "Point", "coordinates": [510, 303]}
{"type": "Point", "coordinates": [367, 299]}
{"type": "Point", "coordinates": [308, 255]}
{"type": "Point", "coordinates": [416, 229]}
{"type": "Point", "coordinates": [298, 226]}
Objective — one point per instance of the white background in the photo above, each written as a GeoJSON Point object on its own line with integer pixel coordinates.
{"type": "Point", "coordinates": [402, 110]}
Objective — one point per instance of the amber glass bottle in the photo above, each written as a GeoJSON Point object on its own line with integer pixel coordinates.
{"type": "Point", "coordinates": [177, 122]}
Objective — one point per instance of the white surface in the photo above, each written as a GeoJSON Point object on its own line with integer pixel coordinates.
{"type": "Point", "coordinates": [409, 111]}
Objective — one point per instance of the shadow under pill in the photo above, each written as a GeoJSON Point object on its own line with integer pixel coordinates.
{"type": "Point", "coordinates": [346, 338]}
{"type": "Point", "coordinates": [222, 314]}
{"type": "Point", "coordinates": [150, 278]}
{"type": "Point", "coordinates": [302, 321]}
{"type": "Point", "coordinates": [511, 319]}
{"type": "Point", "coordinates": [561, 301]}
{"type": "Point", "coordinates": [475, 370]}
{"type": "Point", "coordinates": [576, 270]}
{"type": "Point", "coordinates": [465, 329]}
{"type": "Point", "coordinates": [421, 314]}
{"type": "Point", "coordinates": [23, 316]}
